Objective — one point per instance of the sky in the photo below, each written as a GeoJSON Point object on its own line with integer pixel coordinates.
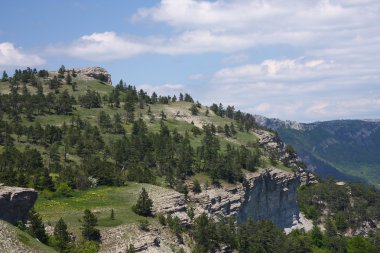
{"type": "Point", "coordinates": [294, 60]}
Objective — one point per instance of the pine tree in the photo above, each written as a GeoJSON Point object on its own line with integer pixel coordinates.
{"type": "Point", "coordinates": [61, 71]}
{"type": "Point", "coordinates": [68, 78]}
{"type": "Point", "coordinates": [112, 216]}
{"type": "Point", "coordinates": [89, 231]}
{"type": "Point", "coordinates": [37, 228]}
{"type": "Point", "coordinates": [4, 78]}
{"type": "Point", "coordinates": [144, 204]}
{"type": "Point", "coordinates": [194, 110]}
{"type": "Point", "coordinates": [61, 234]}
{"type": "Point", "coordinates": [129, 107]}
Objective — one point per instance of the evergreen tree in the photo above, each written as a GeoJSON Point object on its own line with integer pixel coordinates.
{"type": "Point", "coordinates": [144, 204]}
{"type": "Point", "coordinates": [68, 78]}
{"type": "Point", "coordinates": [61, 71]}
{"type": "Point", "coordinates": [129, 107]}
{"type": "Point", "coordinates": [4, 78]}
{"type": "Point", "coordinates": [163, 115]}
{"type": "Point", "coordinates": [89, 223]}
{"type": "Point", "coordinates": [61, 234]}
{"type": "Point", "coordinates": [194, 109]}
{"type": "Point", "coordinates": [37, 228]}
{"type": "Point", "coordinates": [46, 181]}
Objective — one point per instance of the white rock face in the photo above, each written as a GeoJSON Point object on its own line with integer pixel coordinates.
{"type": "Point", "coordinates": [94, 72]}
{"type": "Point", "coordinates": [269, 194]}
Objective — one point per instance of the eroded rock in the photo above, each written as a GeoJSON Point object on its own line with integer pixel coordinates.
{"type": "Point", "coordinates": [95, 72]}
{"type": "Point", "coordinates": [15, 203]}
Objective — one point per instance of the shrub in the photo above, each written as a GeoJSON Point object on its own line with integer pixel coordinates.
{"type": "Point", "coordinates": [64, 190]}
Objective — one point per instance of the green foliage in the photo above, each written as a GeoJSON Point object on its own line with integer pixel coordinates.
{"type": "Point", "coordinates": [144, 224]}
{"type": "Point", "coordinates": [61, 234]}
{"type": "Point", "coordinates": [313, 200]}
{"type": "Point", "coordinates": [37, 228]}
{"type": "Point", "coordinates": [112, 215]}
{"type": "Point", "coordinates": [87, 247]}
{"type": "Point", "coordinates": [196, 186]}
{"type": "Point", "coordinates": [64, 190]}
{"type": "Point", "coordinates": [194, 109]}
{"type": "Point", "coordinates": [131, 249]}
{"type": "Point", "coordinates": [89, 230]}
{"type": "Point", "coordinates": [144, 204]}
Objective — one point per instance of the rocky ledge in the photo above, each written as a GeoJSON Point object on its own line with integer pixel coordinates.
{"type": "Point", "coordinates": [268, 194]}
{"type": "Point", "coordinates": [15, 203]}
{"type": "Point", "coordinates": [95, 72]}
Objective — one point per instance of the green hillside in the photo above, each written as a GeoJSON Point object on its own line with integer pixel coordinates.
{"type": "Point", "coordinates": [90, 149]}
{"type": "Point", "coordinates": [350, 146]}
{"type": "Point", "coordinates": [85, 144]}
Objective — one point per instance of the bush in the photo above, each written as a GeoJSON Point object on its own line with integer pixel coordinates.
{"type": "Point", "coordinates": [47, 194]}
{"type": "Point", "coordinates": [64, 190]}
{"type": "Point", "coordinates": [144, 225]}
{"type": "Point", "coordinates": [161, 219]}
{"type": "Point", "coordinates": [196, 186]}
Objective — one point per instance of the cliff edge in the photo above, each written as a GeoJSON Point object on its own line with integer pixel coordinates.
{"type": "Point", "coordinates": [15, 203]}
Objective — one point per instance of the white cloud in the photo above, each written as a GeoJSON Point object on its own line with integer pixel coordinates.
{"type": "Point", "coordinates": [198, 76]}
{"type": "Point", "coordinates": [300, 89]}
{"type": "Point", "coordinates": [288, 69]}
{"type": "Point", "coordinates": [11, 56]}
{"type": "Point", "coordinates": [163, 89]}
{"type": "Point", "coordinates": [102, 46]}
{"type": "Point", "coordinates": [235, 59]}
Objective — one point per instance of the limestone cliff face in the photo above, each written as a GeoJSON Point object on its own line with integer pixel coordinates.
{"type": "Point", "coordinates": [271, 196]}
{"type": "Point", "coordinates": [15, 203]}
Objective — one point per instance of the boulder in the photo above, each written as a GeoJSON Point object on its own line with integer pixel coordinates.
{"type": "Point", "coordinates": [15, 203]}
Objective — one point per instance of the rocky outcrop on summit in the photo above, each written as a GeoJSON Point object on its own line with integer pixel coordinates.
{"type": "Point", "coordinates": [95, 72]}
{"type": "Point", "coordinates": [15, 203]}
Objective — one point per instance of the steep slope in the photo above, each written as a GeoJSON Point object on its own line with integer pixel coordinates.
{"type": "Point", "coordinates": [13, 240]}
{"type": "Point", "coordinates": [344, 149]}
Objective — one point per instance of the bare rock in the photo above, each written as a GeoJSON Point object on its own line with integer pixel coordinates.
{"type": "Point", "coordinates": [15, 203]}
{"type": "Point", "coordinates": [95, 72]}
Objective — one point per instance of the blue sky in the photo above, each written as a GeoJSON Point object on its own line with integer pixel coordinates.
{"type": "Point", "coordinates": [296, 60]}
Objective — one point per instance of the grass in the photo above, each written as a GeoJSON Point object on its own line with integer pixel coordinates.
{"type": "Point", "coordinates": [23, 238]}
{"type": "Point", "coordinates": [99, 200]}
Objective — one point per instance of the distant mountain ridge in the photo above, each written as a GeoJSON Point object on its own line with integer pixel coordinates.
{"type": "Point", "coordinates": [344, 149]}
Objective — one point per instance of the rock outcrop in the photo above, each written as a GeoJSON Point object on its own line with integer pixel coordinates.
{"type": "Point", "coordinates": [267, 194]}
{"type": "Point", "coordinates": [271, 196]}
{"type": "Point", "coordinates": [95, 72]}
{"type": "Point", "coordinates": [272, 144]}
{"type": "Point", "coordinates": [15, 203]}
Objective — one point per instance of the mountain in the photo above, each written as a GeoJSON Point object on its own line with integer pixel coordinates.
{"type": "Point", "coordinates": [124, 169]}
{"type": "Point", "coordinates": [344, 149]}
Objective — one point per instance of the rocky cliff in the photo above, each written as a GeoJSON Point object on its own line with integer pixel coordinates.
{"type": "Point", "coordinates": [95, 72]}
{"type": "Point", "coordinates": [15, 203]}
{"type": "Point", "coordinates": [271, 196]}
